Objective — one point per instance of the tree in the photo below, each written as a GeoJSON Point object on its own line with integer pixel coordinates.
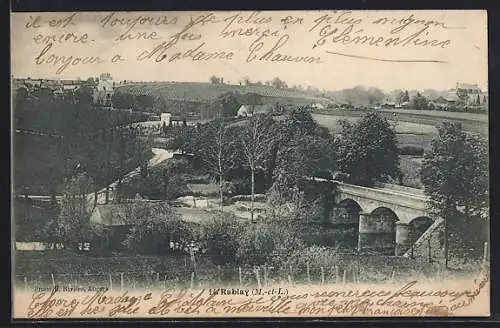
{"type": "Point", "coordinates": [463, 96]}
{"type": "Point", "coordinates": [73, 223]}
{"type": "Point", "coordinates": [220, 235]}
{"type": "Point", "coordinates": [216, 80]}
{"type": "Point", "coordinates": [278, 83]}
{"type": "Point", "coordinates": [367, 150]}
{"type": "Point", "coordinates": [406, 96]}
{"type": "Point", "coordinates": [144, 102]}
{"type": "Point", "coordinates": [455, 176]}
{"type": "Point", "coordinates": [85, 93]}
{"type": "Point", "coordinates": [123, 100]}
{"type": "Point", "coordinates": [216, 148]}
{"type": "Point", "coordinates": [420, 102]}
{"type": "Point", "coordinates": [266, 242]}
{"type": "Point", "coordinates": [304, 149]}
{"type": "Point", "coordinates": [255, 137]}
{"type": "Point", "coordinates": [227, 105]}
{"type": "Point", "coordinates": [402, 97]}
{"type": "Point", "coordinates": [183, 139]}
{"type": "Point", "coordinates": [154, 227]}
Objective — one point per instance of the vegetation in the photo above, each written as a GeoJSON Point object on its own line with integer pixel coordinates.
{"type": "Point", "coordinates": [162, 182]}
{"type": "Point", "coordinates": [455, 176]}
{"type": "Point", "coordinates": [206, 93]}
{"type": "Point", "coordinates": [220, 235]}
{"type": "Point", "coordinates": [217, 150]}
{"type": "Point", "coordinates": [275, 156]}
{"type": "Point", "coordinates": [368, 151]}
{"type": "Point", "coordinates": [68, 132]}
{"type": "Point", "coordinates": [72, 225]}
{"type": "Point", "coordinates": [153, 227]}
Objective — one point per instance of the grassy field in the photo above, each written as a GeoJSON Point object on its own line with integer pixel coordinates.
{"type": "Point", "coordinates": [408, 133]}
{"type": "Point", "coordinates": [39, 268]}
{"type": "Point", "coordinates": [477, 123]}
{"type": "Point", "coordinates": [442, 114]}
{"type": "Point", "coordinates": [207, 92]}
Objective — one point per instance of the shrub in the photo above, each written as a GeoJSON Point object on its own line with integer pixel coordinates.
{"type": "Point", "coordinates": [344, 237]}
{"type": "Point", "coordinates": [316, 256]}
{"type": "Point", "coordinates": [154, 227]}
{"type": "Point", "coordinates": [411, 150]}
{"type": "Point", "coordinates": [266, 243]}
{"type": "Point", "coordinates": [165, 181]}
{"type": "Point", "coordinates": [220, 235]}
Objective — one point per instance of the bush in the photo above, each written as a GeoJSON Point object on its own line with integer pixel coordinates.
{"type": "Point", "coordinates": [239, 186]}
{"type": "Point", "coordinates": [266, 243]}
{"type": "Point", "coordinates": [173, 172]}
{"type": "Point", "coordinates": [316, 256]}
{"type": "Point", "coordinates": [411, 150]}
{"type": "Point", "coordinates": [342, 237]}
{"type": "Point", "coordinates": [220, 235]}
{"type": "Point", "coordinates": [154, 227]}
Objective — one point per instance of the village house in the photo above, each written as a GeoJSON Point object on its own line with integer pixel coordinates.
{"type": "Point", "coordinates": [113, 217]}
{"type": "Point", "coordinates": [165, 119]}
{"type": "Point", "coordinates": [250, 110]}
{"type": "Point", "coordinates": [317, 106]}
{"type": "Point", "coordinates": [104, 90]}
{"type": "Point", "coordinates": [475, 96]}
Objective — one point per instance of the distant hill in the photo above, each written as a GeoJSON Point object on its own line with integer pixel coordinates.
{"type": "Point", "coordinates": [207, 92]}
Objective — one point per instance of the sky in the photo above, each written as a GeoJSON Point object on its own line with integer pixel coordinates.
{"type": "Point", "coordinates": [463, 59]}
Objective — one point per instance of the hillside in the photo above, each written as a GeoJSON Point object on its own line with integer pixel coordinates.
{"type": "Point", "coordinates": [207, 92]}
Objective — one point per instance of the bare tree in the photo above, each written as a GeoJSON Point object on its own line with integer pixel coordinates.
{"type": "Point", "coordinates": [255, 139]}
{"type": "Point", "coordinates": [217, 151]}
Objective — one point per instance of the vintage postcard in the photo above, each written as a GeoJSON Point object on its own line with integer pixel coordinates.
{"type": "Point", "coordinates": [250, 164]}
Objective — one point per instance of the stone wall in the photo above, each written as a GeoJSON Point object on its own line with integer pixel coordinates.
{"type": "Point", "coordinates": [433, 238]}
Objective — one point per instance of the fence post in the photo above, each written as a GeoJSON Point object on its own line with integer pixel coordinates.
{"type": "Point", "coordinates": [337, 274]}
{"type": "Point", "coordinates": [429, 254]}
{"type": "Point", "coordinates": [485, 254]}
{"type": "Point", "coordinates": [308, 270]}
{"type": "Point", "coordinates": [121, 281]}
{"type": "Point", "coordinates": [192, 280]}
{"type": "Point", "coordinates": [393, 275]}
{"type": "Point", "coordinates": [265, 275]}
{"type": "Point", "coordinates": [218, 273]}
{"type": "Point", "coordinates": [344, 278]}
{"type": "Point", "coordinates": [110, 282]}
{"type": "Point", "coordinates": [165, 282]}
{"type": "Point", "coordinates": [193, 261]}
{"type": "Point", "coordinates": [322, 275]}
{"type": "Point", "coordinates": [289, 279]}
{"type": "Point", "coordinates": [354, 274]}
{"type": "Point", "coordinates": [240, 277]}
{"type": "Point", "coordinates": [256, 270]}
{"type": "Point", "coordinates": [291, 271]}
{"type": "Point", "coordinates": [53, 280]}
{"type": "Point", "coordinates": [25, 283]}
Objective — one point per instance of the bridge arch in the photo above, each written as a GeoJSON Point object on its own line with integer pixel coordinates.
{"type": "Point", "coordinates": [386, 212]}
{"type": "Point", "coordinates": [385, 216]}
{"type": "Point", "coordinates": [345, 216]}
{"type": "Point", "coordinates": [377, 230]}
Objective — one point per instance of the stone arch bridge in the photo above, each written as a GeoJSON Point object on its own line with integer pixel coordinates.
{"type": "Point", "coordinates": [390, 218]}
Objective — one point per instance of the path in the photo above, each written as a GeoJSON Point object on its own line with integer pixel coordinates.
{"type": "Point", "coordinates": [160, 155]}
